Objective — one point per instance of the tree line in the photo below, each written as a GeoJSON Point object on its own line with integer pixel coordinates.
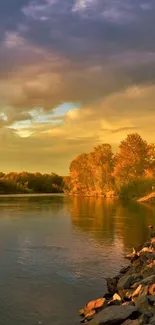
{"type": "Point", "coordinates": [129, 172]}
{"type": "Point", "coordinates": [25, 182]}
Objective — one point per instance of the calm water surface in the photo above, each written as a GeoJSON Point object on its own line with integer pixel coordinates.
{"type": "Point", "coordinates": [55, 253]}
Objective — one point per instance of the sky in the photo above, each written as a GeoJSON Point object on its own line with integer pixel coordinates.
{"type": "Point", "coordinates": [73, 74]}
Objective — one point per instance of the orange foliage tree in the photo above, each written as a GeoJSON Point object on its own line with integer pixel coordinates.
{"type": "Point", "coordinates": [132, 159]}
{"type": "Point", "coordinates": [92, 173]}
{"type": "Point", "coordinates": [101, 172]}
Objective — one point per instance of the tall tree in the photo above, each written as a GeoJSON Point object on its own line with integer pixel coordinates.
{"type": "Point", "coordinates": [79, 173]}
{"type": "Point", "coordinates": [132, 159]}
{"type": "Point", "coordinates": [92, 173]}
{"type": "Point", "coordinates": [150, 169]}
{"type": "Point", "coordinates": [102, 167]}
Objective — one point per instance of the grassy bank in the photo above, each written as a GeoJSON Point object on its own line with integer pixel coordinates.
{"type": "Point", "coordinates": [150, 198]}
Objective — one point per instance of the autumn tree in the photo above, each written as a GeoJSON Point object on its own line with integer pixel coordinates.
{"type": "Point", "coordinates": [79, 173]}
{"type": "Point", "coordinates": [92, 173]}
{"type": "Point", "coordinates": [132, 159]}
{"type": "Point", "coordinates": [150, 168]}
{"type": "Point", "coordinates": [101, 161]}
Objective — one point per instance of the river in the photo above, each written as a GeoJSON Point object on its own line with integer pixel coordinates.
{"type": "Point", "coordinates": [56, 251]}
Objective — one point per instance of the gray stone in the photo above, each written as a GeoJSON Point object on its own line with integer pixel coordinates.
{"type": "Point", "coordinates": [113, 315]}
{"type": "Point", "coordinates": [125, 269]}
{"type": "Point", "coordinates": [151, 298]}
{"type": "Point", "coordinates": [111, 285]}
{"type": "Point", "coordinates": [142, 303]}
{"type": "Point", "coordinates": [148, 279]}
{"type": "Point", "coordinates": [147, 313]}
{"type": "Point", "coordinates": [152, 320]}
{"type": "Point", "coordinates": [126, 281]}
{"type": "Point", "coordinates": [139, 321]}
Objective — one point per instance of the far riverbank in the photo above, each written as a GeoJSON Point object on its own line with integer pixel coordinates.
{"type": "Point", "coordinates": [32, 195]}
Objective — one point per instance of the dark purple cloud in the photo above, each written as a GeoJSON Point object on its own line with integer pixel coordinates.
{"type": "Point", "coordinates": [105, 45]}
{"type": "Point", "coordinates": [90, 27]}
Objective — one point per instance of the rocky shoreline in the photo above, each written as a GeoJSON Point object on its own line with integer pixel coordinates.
{"type": "Point", "coordinates": [131, 294]}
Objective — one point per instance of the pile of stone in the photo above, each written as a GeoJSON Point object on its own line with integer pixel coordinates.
{"type": "Point", "coordinates": [131, 294]}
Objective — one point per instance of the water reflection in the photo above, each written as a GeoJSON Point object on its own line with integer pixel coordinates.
{"type": "Point", "coordinates": [24, 204]}
{"type": "Point", "coordinates": [56, 252]}
{"type": "Point", "coordinates": [111, 219]}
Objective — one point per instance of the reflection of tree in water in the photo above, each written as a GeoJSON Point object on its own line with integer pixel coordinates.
{"type": "Point", "coordinates": [94, 215]}
{"type": "Point", "coordinates": [111, 219]}
{"type": "Point", "coordinates": [135, 219]}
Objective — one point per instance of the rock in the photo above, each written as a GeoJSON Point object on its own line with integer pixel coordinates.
{"type": "Point", "coordinates": [117, 277]}
{"type": "Point", "coordinates": [131, 296]}
{"type": "Point", "coordinates": [151, 289]}
{"type": "Point", "coordinates": [152, 234]}
{"type": "Point", "coordinates": [139, 321]}
{"type": "Point", "coordinates": [91, 304]}
{"type": "Point", "coordinates": [142, 303]}
{"type": "Point", "coordinates": [134, 258]}
{"type": "Point", "coordinates": [126, 281]}
{"type": "Point", "coordinates": [138, 265]}
{"type": "Point", "coordinates": [148, 270]}
{"type": "Point", "coordinates": [87, 311]}
{"type": "Point", "coordinates": [95, 304]}
{"type": "Point", "coordinates": [144, 290]}
{"type": "Point", "coordinates": [100, 303]}
{"type": "Point", "coordinates": [125, 294]}
{"type": "Point", "coordinates": [137, 291]}
{"type": "Point", "coordinates": [125, 269]}
{"type": "Point", "coordinates": [90, 309]}
{"type": "Point", "coordinates": [114, 315]}
{"type": "Point", "coordinates": [132, 255]}
{"type": "Point", "coordinates": [111, 285]}
{"type": "Point", "coordinates": [128, 294]}
{"type": "Point", "coordinates": [90, 315]}
{"type": "Point", "coordinates": [153, 243]}
{"type": "Point", "coordinates": [135, 285]}
{"type": "Point", "coordinates": [129, 322]}
{"type": "Point", "coordinates": [116, 297]}
{"type": "Point", "coordinates": [152, 320]}
{"type": "Point", "coordinates": [114, 302]}
{"type": "Point", "coordinates": [148, 280]}
{"type": "Point", "coordinates": [146, 250]}
{"type": "Point", "coordinates": [147, 244]}
{"type": "Point", "coordinates": [151, 298]}
{"type": "Point", "coordinates": [147, 313]}
{"type": "Point", "coordinates": [128, 303]}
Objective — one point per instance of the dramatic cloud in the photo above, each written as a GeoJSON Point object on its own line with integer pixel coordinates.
{"type": "Point", "coordinates": [97, 55]}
